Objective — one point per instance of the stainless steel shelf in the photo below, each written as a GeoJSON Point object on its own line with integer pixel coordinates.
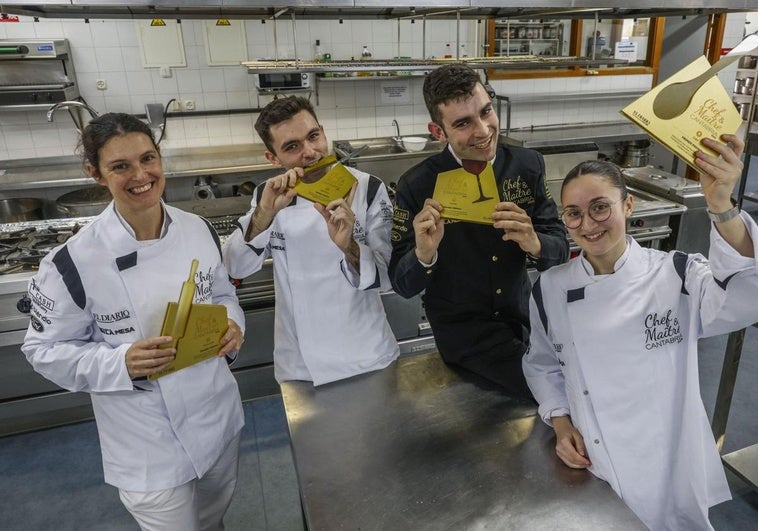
{"type": "Point", "coordinates": [393, 65]}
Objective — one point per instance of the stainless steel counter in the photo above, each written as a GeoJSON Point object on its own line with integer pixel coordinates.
{"type": "Point", "coordinates": [418, 446]}
{"type": "Point", "coordinates": [53, 172]}
{"type": "Point", "coordinates": [569, 134]}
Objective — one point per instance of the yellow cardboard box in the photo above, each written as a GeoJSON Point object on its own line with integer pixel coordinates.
{"type": "Point", "coordinates": [710, 114]}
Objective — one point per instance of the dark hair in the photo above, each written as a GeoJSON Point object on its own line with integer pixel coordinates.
{"type": "Point", "coordinates": [105, 127]}
{"type": "Point", "coordinates": [277, 111]}
{"type": "Point", "coordinates": [447, 83]}
{"type": "Point", "coordinates": [607, 170]}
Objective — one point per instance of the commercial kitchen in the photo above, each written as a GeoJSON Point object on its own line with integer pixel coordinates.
{"type": "Point", "coordinates": [199, 73]}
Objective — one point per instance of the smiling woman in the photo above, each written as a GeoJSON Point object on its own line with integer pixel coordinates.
{"type": "Point", "coordinates": [97, 305]}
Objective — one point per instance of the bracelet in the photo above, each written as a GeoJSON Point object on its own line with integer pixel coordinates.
{"type": "Point", "coordinates": [724, 216]}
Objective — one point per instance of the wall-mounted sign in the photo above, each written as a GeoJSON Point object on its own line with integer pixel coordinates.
{"type": "Point", "coordinates": [157, 22]}
{"type": "Point", "coordinates": [8, 18]}
{"type": "Point", "coordinates": [396, 92]}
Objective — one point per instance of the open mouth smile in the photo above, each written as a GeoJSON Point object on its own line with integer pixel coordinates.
{"type": "Point", "coordinates": [141, 189]}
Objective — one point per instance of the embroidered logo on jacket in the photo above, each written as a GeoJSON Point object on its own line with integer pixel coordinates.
{"type": "Point", "coordinates": [517, 191]}
{"type": "Point", "coordinates": [203, 285]}
{"type": "Point", "coordinates": [661, 330]}
{"type": "Point", "coordinates": [112, 317]}
{"type": "Point", "coordinates": [276, 241]}
{"type": "Point", "coordinates": [118, 332]}
{"type": "Point", "coordinates": [44, 302]}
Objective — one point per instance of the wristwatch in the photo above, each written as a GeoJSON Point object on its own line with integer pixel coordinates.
{"type": "Point", "coordinates": [724, 216]}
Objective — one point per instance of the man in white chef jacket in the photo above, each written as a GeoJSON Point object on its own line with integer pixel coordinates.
{"type": "Point", "coordinates": [330, 262]}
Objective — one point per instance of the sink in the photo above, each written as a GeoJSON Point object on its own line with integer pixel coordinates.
{"type": "Point", "coordinates": [384, 157]}
{"type": "Point", "coordinates": [384, 147]}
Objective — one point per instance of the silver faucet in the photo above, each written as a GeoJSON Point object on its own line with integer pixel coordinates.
{"type": "Point", "coordinates": [397, 138]}
{"type": "Point", "coordinates": [68, 105]}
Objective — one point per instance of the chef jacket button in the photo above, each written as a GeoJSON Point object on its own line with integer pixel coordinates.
{"type": "Point", "coordinates": [597, 441]}
{"type": "Point", "coordinates": [428, 271]}
{"type": "Point", "coordinates": [586, 392]}
{"type": "Point", "coordinates": [496, 314]}
{"type": "Point", "coordinates": [498, 291]}
{"type": "Point", "coordinates": [494, 258]}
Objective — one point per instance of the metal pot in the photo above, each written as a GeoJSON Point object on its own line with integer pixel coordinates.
{"type": "Point", "coordinates": [747, 61]}
{"type": "Point", "coordinates": [21, 209]}
{"type": "Point", "coordinates": [85, 202]}
{"type": "Point", "coordinates": [633, 154]}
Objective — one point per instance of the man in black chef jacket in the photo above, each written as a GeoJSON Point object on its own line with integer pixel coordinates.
{"type": "Point", "coordinates": [477, 288]}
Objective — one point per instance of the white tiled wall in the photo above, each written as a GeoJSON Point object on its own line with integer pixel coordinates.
{"type": "Point", "coordinates": [109, 50]}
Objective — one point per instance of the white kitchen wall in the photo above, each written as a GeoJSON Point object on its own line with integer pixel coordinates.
{"type": "Point", "coordinates": [108, 50]}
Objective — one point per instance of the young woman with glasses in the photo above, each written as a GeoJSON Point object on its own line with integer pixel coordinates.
{"type": "Point", "coordinates": [613, 356]}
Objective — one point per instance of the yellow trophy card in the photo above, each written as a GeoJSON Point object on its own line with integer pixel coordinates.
{"type": "Point", "coordinates": [335, 184]}
{"type": "Point", "coordinates": [196, 328]}
{"type": "Point", "coordinates": [468, 193]}
{"type": "Point", "coordinates": [709, 114]}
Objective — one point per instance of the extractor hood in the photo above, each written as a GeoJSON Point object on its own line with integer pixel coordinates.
{"type": "Point", "coordinates": [367, 9]}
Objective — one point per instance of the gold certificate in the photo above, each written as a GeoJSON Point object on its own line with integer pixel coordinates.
{"type": "Point", "coordinates": [466, 195]}
{"type": "Point", "coordinates": [710, 114]}
{"type": "Point", "coordinates": [335, 184]}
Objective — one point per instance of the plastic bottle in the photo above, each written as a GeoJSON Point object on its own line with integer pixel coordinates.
{"type": "Point", "coordinates": [317, 51]}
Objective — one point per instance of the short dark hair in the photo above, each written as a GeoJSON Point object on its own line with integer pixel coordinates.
{"type": "Point", "coordinates": [106, 126]}
{"type": "Point", "coordinates": [277, 111]}
{"type": "Point", "coordinates": [607, 170]}
{"type": "Point", "coordinates": [447, 83]}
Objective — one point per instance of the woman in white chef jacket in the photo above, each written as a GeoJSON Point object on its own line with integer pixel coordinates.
{"type": "Point", "coordinates": [170, 445]}
{"type": "Point", "coordinates": [613, 356]}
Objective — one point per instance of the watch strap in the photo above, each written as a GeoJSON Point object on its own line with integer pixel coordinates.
{"type": "Point", "coordinates": [724, 216]}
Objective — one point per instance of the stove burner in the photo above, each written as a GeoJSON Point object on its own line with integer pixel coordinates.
{"type": "Point", "coordinates": [22, 249]}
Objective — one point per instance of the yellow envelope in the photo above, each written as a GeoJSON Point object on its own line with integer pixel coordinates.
{"type": "Point", "coordinates": [710, 114]}
{"type": "Point", "coordinates": [467, 197]}
{"type": "Point", "coordinates": [196, 328]}
{"type": "Point", "coordinates": [335, 184]}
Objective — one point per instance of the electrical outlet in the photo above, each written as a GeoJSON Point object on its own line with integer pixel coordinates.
{"type": "Point", "coordinates": [101, 84]}
{"type": "Point", "coordinates": [176, 105]}
{"type": "Point", "coordinates": [189, 105]}
{"type": "Point", "coordinates": [165, 71]}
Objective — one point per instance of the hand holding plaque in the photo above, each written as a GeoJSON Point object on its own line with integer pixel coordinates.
{"type": "Point", "coordinates": [468, 193]}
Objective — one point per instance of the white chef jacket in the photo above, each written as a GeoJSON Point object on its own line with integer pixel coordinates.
{"type": "Point", "coordinates": [97, 294]}
{"type": "Point", "coordinates": [619, 352]}
{"type": "Point", "coordinates": [329, 320]}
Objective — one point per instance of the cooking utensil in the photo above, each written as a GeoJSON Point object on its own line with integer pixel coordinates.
{"type": "Point", "coordinates": [84, 202]}
{"type": "Point", "coordinates": [674, 99]}
{"type": "Point", "coordinates": [21, 209]}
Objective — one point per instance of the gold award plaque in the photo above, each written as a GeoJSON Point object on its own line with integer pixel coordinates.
{"type": "Point", "coordinates": [196, 328]}
{"type": "Point", "coordinates": [335, 184]}
{"type": "Point", "coordinates": [467, 195]}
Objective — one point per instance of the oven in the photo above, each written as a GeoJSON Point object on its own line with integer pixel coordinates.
{"type": "Point", "coordinates": [283, 82]}
{"type": "Point", "coordinates": [36, 73]}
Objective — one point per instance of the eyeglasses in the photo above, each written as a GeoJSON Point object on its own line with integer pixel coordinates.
{"type": "Point", "coordinates": [599, 211]}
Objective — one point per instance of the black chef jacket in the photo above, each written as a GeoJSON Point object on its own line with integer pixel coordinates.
{"type": "Point", "coordinates": [477, 292]}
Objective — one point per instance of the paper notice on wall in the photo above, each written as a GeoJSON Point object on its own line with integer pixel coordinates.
{"type": "Point", "coordinates": [626, 51]}
{"type": "Point", "coordinates": [396, 93]}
